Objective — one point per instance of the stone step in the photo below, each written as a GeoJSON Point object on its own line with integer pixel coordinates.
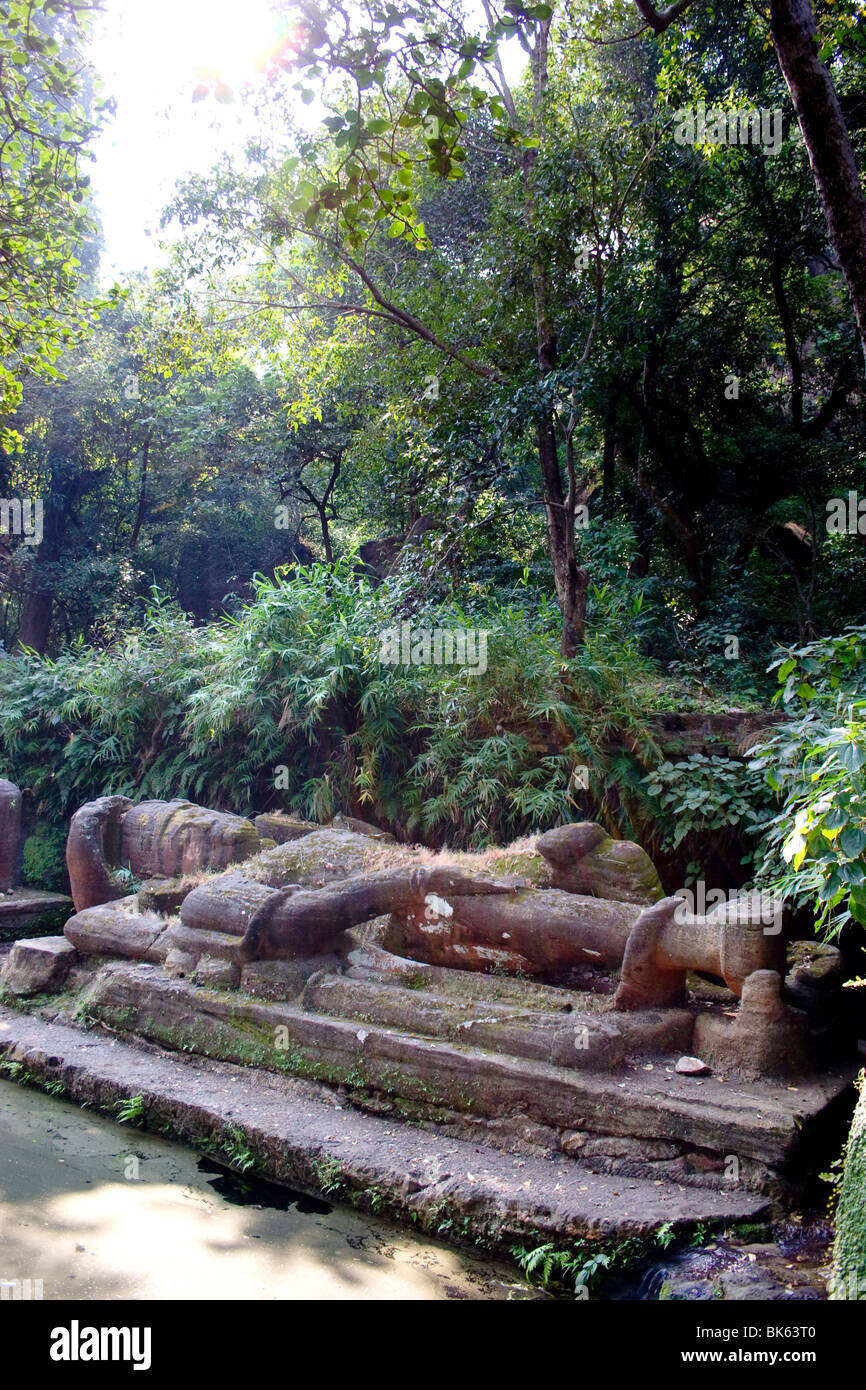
{"type": "Point", "coordinates": [300, 1135]}
{"type": "Point", "coordinates": [770, 1121]}
{"type": "Point", "coordinates": [565, 1035]}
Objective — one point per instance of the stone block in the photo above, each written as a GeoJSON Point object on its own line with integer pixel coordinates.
{"type": "Point", "coordinates": [585, 859]}
{"type": "Point", "coordinates": [39, 966]}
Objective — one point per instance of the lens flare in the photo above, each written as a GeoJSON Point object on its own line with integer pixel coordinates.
{"type": "Point", "coordinates": [233, 55]}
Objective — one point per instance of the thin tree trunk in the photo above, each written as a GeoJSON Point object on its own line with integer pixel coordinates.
{"type": "Point", "coordinates": [142, 499]}
{"type": "Point", "coordinates": [816, 102]}
{"type": "Point", "coordinates": [793, 30]}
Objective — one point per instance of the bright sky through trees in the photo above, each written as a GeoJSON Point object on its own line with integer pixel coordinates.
{"type": "Point", "coordinates": [150, 55]}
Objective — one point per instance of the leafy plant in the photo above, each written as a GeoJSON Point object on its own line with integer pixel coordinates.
{"type": "Point", "coordinates": [237, 1149]}
{"type": "Point", "coordinates": [130, 1111]}
{"type": "Point", "coordinates": [665, 1235]}
{"type": "Point", "coordinates": [816, 760]}
{"type": "Point", "coordinates": [288, 704]}
{"type": "Point", "coordinates": [710, 800]}
{"type": "Point", "coordinates": [547, 1265]}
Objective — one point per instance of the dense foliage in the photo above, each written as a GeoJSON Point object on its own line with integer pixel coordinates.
{"type": "Point", "coordinates": [473, 351]}
{"type": "Point", "coordinates": [817, 761]}
{"type": "Point", "coordinates": [289, 705]}
{"type": "Point", "coordinates": [48, 110]}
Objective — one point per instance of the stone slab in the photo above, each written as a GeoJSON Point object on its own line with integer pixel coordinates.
{"type": "Point", "coordinates": [767, 1121]}
{"type": "Point", "coordinates": [38, 966]}
{"type": "Point", "coordinates": [23, 907]}
{"type": "Point", "coordinates": [301, 1136]}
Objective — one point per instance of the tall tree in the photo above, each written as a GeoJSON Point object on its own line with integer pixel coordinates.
{"type": "Point", "coordinates": [408, 94]}
{"type": "Point", "coordinates": [825, 133]}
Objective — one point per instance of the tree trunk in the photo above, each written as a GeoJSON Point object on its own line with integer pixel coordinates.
{"type": "Point", "coordinates": [571, 582]}
{"type": "Point", "coordinates": [793, 29]}
{"type": "Point", "coordinates": [37, 605]}
{"type": "Point", "coordinates": [792, 25]}
{"type": "Point", "coordinates": [142, 498]}
{"type": "Point", "coordinates": [37, 610]}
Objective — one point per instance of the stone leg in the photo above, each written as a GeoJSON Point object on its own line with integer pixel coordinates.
{"type": "Point", "coordinates": [646, 982]}
{"type": "Point", "coordinates": [766, 1038]}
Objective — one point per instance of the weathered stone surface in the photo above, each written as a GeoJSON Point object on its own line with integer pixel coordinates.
{"type": "Point", "coordinates": [23, 910]}
{"type": "Point", "coordinates": [169, 838]}
{"type": "Point", "coordinates": [815, 965]}
{"type": "Point", "coordinates": [165, 895]}
{"type": "Point", "coordinates": [586, 860]}
{"type": "Point", "coordinates": [575, 1040]}
{"type": "Point", "coordinates": [755, 1120]}
{"type": "Point", "coordinates": [362, 827]}
{"type": "Point", "coordinates": [816, 974]}
{"type": "Point", "coordinates": [155, 839]}
{"type": "Point", "coordinates": [196, 943]}
{"type": "Point", "coordinates": [750, 937]}
{"type": "Point", "coordinates": [225, 904]}
{"type": "Point", "coordinates": [10, 833]}
{"type": "Point", "coordinates": [542, 932]}
{"type": "Point", "coordinates": [325, 856]}
{"type": "Point", "coordinates": [38, 967]}
{"type": "Point", "coordinates": [283, 979]}
{"type": "Point", "coordinates": [371, 962]}
{"type": "Point", "coordinates": [765, 1038]}
{"type": "Point", "coordinates": [598, 1149]}
{"type": "Point", "coordinates": [303, 922]}
{"type": "Point", "coordinates": [179, 965]}
{"type": "Point", "coordinates": [277, 826]}
{"type": "Point", "coordinates": [667, 942]}
{"type": "Point", "coordinates": [94, 844]}
{"type": "Point", "coordinates": [107, 930]}
{"type": "Point", "coordinates": [214, 972]}
{"type": "Point", "coordinates": [297, 1137]}
{"type": "Point", "coordinates": [656, 1031]}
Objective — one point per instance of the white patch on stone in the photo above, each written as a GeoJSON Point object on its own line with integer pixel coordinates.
{"type": "Point", "coordinates": [436, 926]}
{"type": "Point", "coordinates": [361, 1034]}
{"type": "Point", "coordinates": [490, 953]}
{"type": "Point", "coordinates": [436, 907]}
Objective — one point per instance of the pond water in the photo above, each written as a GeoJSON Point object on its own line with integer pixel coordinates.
{"type": "Point", "coordinates": [98, 1210]}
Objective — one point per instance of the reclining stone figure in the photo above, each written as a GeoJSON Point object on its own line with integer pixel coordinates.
{"type": "Point", "coordinates": [603, 908]}
{"type": "Point", "coordinates": [10, 833]}
{"type": "Point", "coordinates": [152, 838]}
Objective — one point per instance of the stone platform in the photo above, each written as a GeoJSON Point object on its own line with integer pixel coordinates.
{"type": "Point", "coordinates": [302, 1134]}
{"type": "Point", "coordinates": [22, 908]}
{"type": "Point", "coordinates": [531, 1069]}
{"type": "Point", "coordinates": [543, 1003]}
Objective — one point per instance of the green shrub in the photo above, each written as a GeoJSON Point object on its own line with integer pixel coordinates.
{"type": "Point", "coordinates": [44, 861]}
{"type": "Point", "coordinates": [848, 1277]}
{"type": "Point", "coordinates": [712, 801]}
{"type": "Point", "coordinates": [816, 760]}
{"type": "Point", "coordinates": [288, 705]}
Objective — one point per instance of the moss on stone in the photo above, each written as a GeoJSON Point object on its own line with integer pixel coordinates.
{"type": "Point", "coordinates": [848, 1279]}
